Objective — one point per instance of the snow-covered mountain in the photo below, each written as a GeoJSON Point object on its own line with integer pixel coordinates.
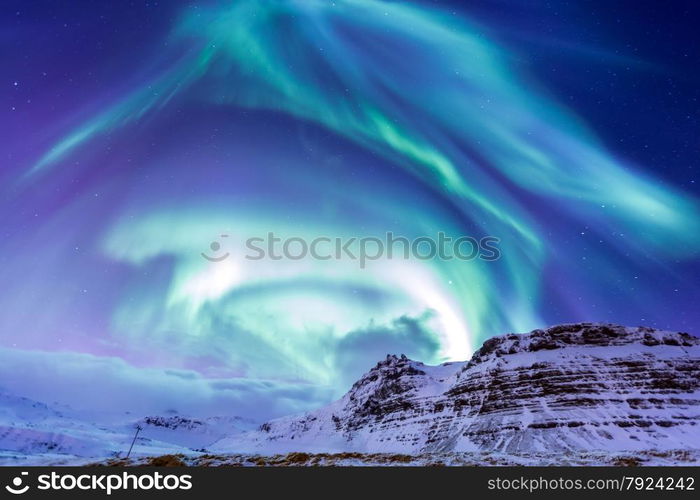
{"type": "Point", "coordinates": [35, 433]}
{"type": "Point", "coordinates": [576, 388]}
{"type": "Point", "coordinates": [193, 433]}
{"type": "Point", "coordinates": [32, 427]}
{"type": "Point", "coordinates": [567, 388]}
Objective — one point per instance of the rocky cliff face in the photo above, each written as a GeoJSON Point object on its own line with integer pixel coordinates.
{"type": "Point", "coordinates": [570, 387]}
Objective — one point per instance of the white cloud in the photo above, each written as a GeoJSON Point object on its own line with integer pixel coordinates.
{"type": "Point", "coordinates": [108, 384]}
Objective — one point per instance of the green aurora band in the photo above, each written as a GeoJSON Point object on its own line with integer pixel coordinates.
{"type": "Point", "coordinates": [421, 89]}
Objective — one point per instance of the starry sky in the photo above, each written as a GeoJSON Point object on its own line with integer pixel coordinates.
{"type": "Point", "coordinates": [136, 134]}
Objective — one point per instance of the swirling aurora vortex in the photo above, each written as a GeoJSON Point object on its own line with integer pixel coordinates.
{"type": "Point", "coordinates": [399, 118]}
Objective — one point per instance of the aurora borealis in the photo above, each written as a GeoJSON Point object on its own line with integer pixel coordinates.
{"type": "Point", "coordinates": [308, 118]}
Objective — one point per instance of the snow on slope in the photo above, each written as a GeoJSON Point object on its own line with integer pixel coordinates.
{"type": "Point", "coordinates": [568, 388]}
{"type": "Point", "coordinates": [191, 432]}
{"type": "Point", "coordinates": [34, 433]}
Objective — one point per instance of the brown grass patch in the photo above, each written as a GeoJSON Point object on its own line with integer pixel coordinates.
{"type": "Point", "coordinates": [626, 462]}
{"type": "Point", "coordinates": [167, 461]}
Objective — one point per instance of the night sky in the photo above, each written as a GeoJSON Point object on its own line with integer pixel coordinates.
{"type": "Point", "coordinates": [135, 134]}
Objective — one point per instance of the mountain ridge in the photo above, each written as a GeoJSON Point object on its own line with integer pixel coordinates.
{"type": "Point", "coordinates": [577, 386]}
{"type": "Point", "coordinates": [570, 393]}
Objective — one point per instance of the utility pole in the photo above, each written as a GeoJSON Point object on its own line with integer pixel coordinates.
{"type": "Point", "coordinates": [138, 429]}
